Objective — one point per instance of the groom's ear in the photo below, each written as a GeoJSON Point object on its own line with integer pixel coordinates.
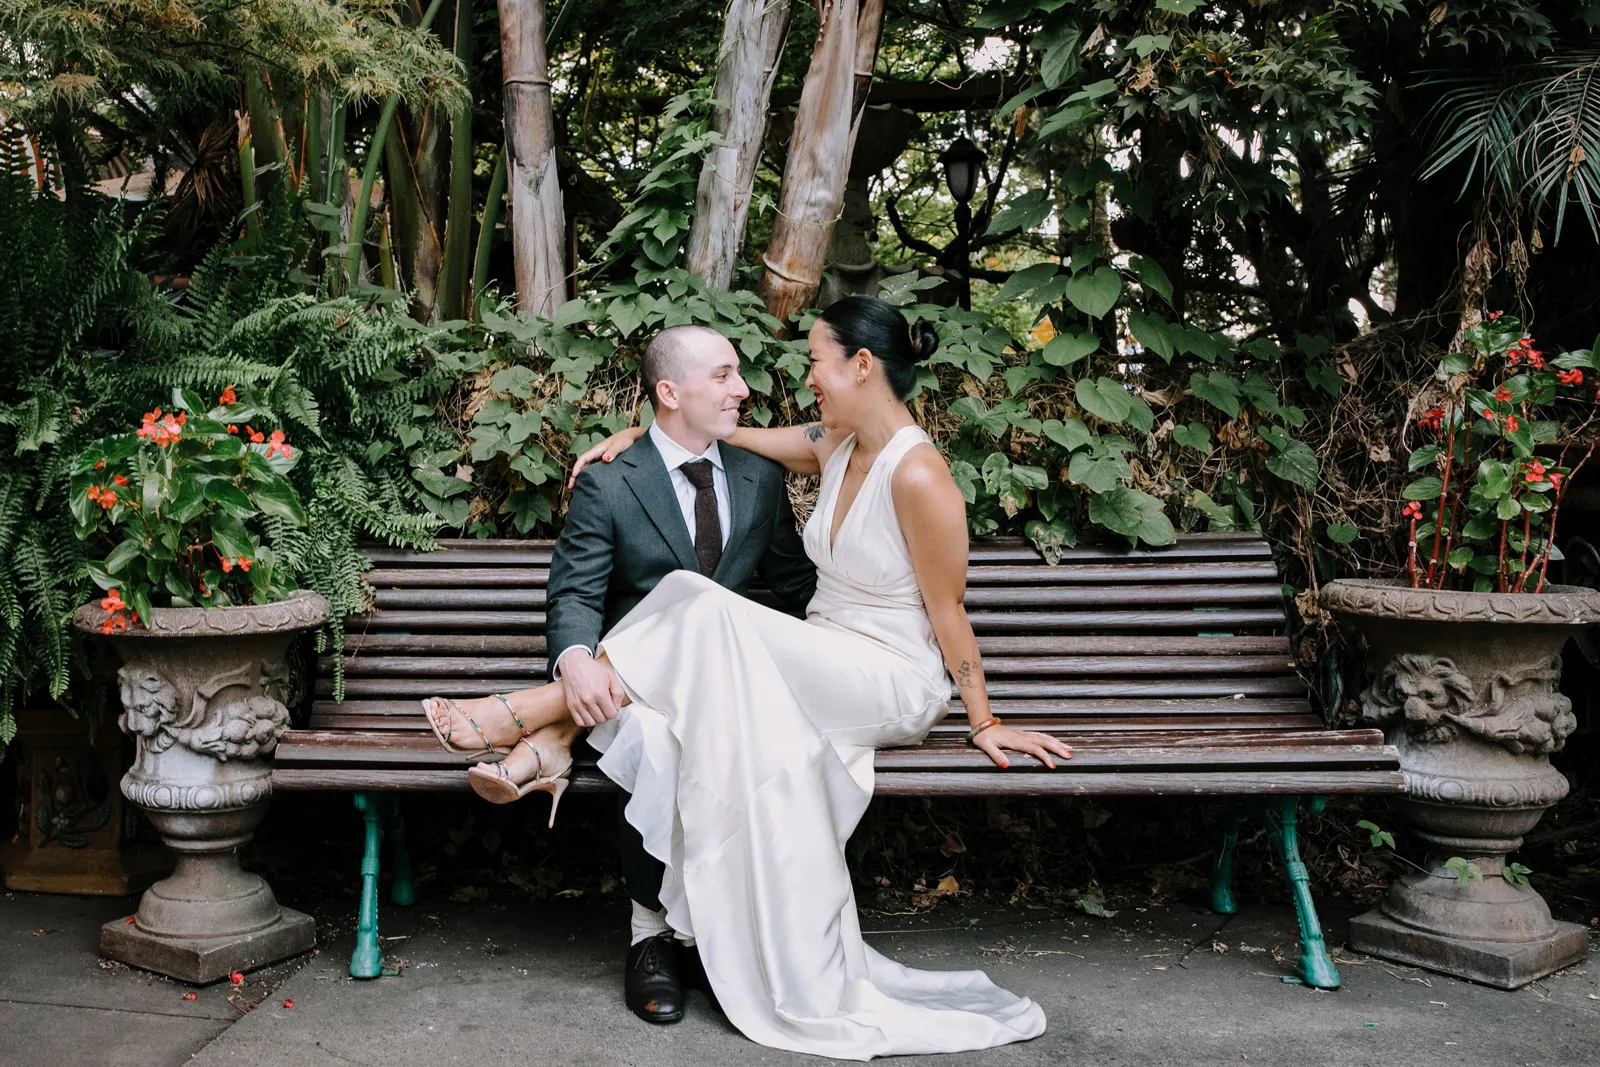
{"type": "Point", "coordinates": [666, 396]}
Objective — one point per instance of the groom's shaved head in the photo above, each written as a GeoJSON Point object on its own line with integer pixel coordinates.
{"type": "Point", "coordinates": [672, 353]}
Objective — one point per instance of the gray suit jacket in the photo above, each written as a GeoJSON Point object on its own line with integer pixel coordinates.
{"type": "Point", "coordinates": [624, 532]}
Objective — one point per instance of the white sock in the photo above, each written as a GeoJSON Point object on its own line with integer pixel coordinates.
{"type": "Point", "coordinates": [647, 923]}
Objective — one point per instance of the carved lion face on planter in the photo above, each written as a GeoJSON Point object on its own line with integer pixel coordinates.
{"type": "Point", "coordinates": [1426, 690]}
{"type": "Point", "coordinates": [147, 703]}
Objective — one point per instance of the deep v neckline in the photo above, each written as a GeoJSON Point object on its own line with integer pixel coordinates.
{"type": "Point", "coordinates": [834, 531]}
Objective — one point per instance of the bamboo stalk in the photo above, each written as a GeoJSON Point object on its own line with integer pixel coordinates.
{"type": "Point", "coordinates": [369, 173]}
{"type": "Point", "coordinates": [454, 281]}
{"type": "Point", "coordinates": [333, 190]}
{"type": "Point", "coordinates": [492, 209]}
{"type": "Point", "coordinates": [247, 183]}
{"type": "Point", "coordinates": [311, 148]}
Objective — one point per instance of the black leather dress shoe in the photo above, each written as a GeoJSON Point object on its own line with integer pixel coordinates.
{"type": "Point", "coordinates": [693, 971]}
{"type": "Point", "coordinates": [651, 986]}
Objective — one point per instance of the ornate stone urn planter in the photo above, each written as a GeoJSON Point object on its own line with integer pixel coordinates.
{"type": "Point", "coordinates": [205, 692]}
{"type": "Point", "coordinates": [1464, 685]}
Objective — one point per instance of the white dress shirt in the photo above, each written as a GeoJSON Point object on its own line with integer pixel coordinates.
{"type": "Point", "coordinates": [675, 456]}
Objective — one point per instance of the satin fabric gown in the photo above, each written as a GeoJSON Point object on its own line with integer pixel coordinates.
{"type": "Point", "coordinates": [748, 748]}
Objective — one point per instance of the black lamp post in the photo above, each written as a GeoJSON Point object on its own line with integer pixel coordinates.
{"type": "Point", "coordinates": [962, 161]}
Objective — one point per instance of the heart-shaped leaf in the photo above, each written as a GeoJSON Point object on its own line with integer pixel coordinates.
{"type": "Point", "coordinates": [1095, 293]}
{"type": "Point", "coordinates": [1133, 514]}
{"type": "Point", "coordinates": [1025, 281]}
{"type": "Point", "coordinates": [1152, 277]}
{"type": "Point", "coordinates": [1070, 435]}
{"type": "Point", "coordinates": [1217, 389]}
{"type": "Point", "coordinates": [1066, 349]}
{"type": "Point", "coordinates": [1103, 398]}
{"type": "Point", "coordinates": [1022, 213]}
{"type": "Point", "coordinates": [1195, 436]}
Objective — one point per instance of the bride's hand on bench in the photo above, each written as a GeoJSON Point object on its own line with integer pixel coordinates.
{"type": "Point", "coordinates": [606, 450]}
{"type": "Point", "coordinates": [997, 740]}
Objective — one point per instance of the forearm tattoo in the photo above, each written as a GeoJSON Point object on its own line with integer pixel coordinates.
{"type": "Point", "coordinates": [967, 675]}
{"type": "Point", "coordinates": [814, 431]}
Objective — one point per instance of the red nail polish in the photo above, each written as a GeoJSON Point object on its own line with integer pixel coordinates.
{"type": "Point", "coordinates": [1004, 765]}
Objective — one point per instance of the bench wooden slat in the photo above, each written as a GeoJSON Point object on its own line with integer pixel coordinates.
{"type": "Point", "coordinates": [1145, 784]}
{"type": "Point", "coordinates": [923, 784]}
{"type": "Point", "coordinates": [484, 577]}
{"type": "Point", "coordinates": [361, 644]}
{"type": "Point", "coordinates": [477, 685]}
{"type": "Point", "coordinates": [1264, 722]}
{"type": "Point", "coordinates": [996, 551]}
{"type": "Point", "coordinates": [1099, 752]}
{"type": "Point", "coordinates": [367, 665]}
{"type": "Point", "coordinates": [456, 598]}
{"type": "Point", "coordinates": [1230, 620]}
{"type": "Point", "coordinates": [1080, 708]}
{"type": "Point", "coordinates": [983, 622]}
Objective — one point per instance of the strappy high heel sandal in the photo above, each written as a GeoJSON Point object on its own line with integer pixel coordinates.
{"type": "Point", "coordinates": [455, 709]}
{"type": "Point", "coordinates": [494, 783]}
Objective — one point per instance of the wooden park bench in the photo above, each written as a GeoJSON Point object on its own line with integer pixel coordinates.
{"type": "Point", "coordinates": [1169, 670]}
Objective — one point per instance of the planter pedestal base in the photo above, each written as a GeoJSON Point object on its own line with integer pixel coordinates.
{"type": "Point", "coordinates": [208, 959]}
{"type": "Point", "coordinates": [1504, 965]}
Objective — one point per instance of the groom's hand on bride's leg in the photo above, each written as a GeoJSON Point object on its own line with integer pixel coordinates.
{"type": "Point", "coordinates": [594, 692]}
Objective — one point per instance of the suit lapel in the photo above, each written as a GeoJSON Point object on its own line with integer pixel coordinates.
{"type": "Point", "coordinates": [648, 479]}
{"type": "Point", "coordinates": [741, 502]}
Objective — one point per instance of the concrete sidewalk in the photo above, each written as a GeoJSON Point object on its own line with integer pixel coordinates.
{"type": "Point", "coordinates": [489, 984]}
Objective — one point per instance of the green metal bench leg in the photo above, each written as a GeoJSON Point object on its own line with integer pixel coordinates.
{"type": "Point", "coordinates": [1316, 966]}
{"type": "Point", "coordinates": [1235, 815]}
{"type": "Point", "coordinates": [367, 960]}
{"type": "Point", "coordinates": [402, 892]}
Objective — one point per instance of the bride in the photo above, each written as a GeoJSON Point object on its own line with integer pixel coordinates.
{"type": "Point", "coordinates": [748, 737]}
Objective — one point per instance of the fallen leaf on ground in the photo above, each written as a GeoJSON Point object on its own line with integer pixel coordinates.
{"type": "Point", "coordinates": [191, 996]}
{"type": "Point", "coordinates": [289, 1003]}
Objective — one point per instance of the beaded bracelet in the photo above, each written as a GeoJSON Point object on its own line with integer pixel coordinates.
{"type": "Point", "coordinates": [972, 734]}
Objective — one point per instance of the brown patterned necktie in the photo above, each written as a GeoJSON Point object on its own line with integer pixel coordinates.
{"type": "Point", "coordinates": [707, 523]}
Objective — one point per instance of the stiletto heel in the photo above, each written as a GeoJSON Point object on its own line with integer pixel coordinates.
{"type": "Point", "coordinates": [560, 787]}
{"type": "Point", "coordinates": [494, 783]}
{"type": "Point", "coordinates": [455, 709]}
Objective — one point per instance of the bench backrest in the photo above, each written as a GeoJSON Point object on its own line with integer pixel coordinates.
{"type": "Point", "coordinates": [1181, 638]}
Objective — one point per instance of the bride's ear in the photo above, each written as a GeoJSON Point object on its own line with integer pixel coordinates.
{"type": "Point", "coordinates": [863, 365]}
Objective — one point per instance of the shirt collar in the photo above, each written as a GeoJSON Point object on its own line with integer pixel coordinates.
{"type": "Point", "coordinates": [675, 455]}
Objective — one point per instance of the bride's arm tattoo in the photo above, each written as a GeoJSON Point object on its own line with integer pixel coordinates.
{"type": "Point", "coordinates": [966, 675]}
{"type": "Point", "coordinates": [814, 431]}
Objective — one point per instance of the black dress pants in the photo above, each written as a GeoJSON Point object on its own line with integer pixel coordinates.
{"type": "Point", "coordinates": [641, 872]}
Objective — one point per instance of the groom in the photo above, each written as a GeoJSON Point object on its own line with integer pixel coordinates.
{"type": "Point", "coordinates": [681, 498]}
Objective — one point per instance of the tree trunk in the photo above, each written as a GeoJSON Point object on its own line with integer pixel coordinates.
{"type": "Point", "coordinates": [538, 224]}
{"type": "Point", "coordinates": [831, 102]}
{"type": "Point", "coordinates": [751, 40]}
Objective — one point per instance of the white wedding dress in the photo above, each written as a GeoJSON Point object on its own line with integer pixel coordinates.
{"type": "Point", "coordinates": [748, 749]}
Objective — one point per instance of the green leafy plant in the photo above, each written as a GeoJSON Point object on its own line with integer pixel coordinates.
{"type": "Point", "coordinates": [1483, 512]}
{"type": "Point", "coordinates": [179, 506]}
{"type": "Point", "coordinates": [1516, 873]}
{"type": "Point", "coordinates": [1465, 870]}
{"type": "Point", "coordinates": [1376, 836]}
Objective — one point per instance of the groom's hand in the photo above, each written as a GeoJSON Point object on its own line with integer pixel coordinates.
{"type": "Point", "coordinates": [593, 690]}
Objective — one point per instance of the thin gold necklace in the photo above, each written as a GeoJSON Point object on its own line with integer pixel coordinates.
{"type": "Point", "coordinates": [864, 470]}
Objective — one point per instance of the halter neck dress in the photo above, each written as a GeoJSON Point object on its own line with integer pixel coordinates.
{"type": "Point", "coordinates": [748, 749]}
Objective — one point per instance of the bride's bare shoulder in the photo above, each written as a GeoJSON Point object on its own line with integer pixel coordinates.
{"type": "Point", "coordinates": [923, 473]}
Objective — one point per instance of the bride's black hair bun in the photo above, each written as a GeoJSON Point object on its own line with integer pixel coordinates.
{"type": "Point", "coordinates": [924, 340]}
{"type": "Point", "coordinates": [859, 322]}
